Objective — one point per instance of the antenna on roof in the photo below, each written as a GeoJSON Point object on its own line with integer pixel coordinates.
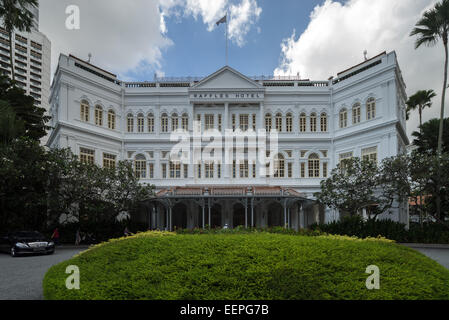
{"type": "Point", "coordinates": [90, 56]}
{"type": "Point", "coordinates": [365, 53]}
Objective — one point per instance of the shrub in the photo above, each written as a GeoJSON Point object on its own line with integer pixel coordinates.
{"type": "Point", "coordinates": [356, 226]}
{"type": "Point", "coordinates": [260, 265]}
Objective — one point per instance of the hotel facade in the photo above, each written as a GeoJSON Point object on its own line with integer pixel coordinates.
{"type": "Point", "coordinates": [316, 124]}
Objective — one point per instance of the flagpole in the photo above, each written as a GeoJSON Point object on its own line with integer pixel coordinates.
{"type": "Point", "coordinates": [227, 18]}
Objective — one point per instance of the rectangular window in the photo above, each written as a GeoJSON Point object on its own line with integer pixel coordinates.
{"type": "Point", "coordinates": [174, 123]}
{"type": "Point", "coordinates": [243, 122]}
{"type": "Point", "coordinates": [98, 117]}
{"type": "Point", "coordinates": [219, 170]}
{"type": "Point", "coordinates": [164, 124]}
{"type": "Point", "coordinates": [254, 122]}
{"type": "Point", "coordinates": [324, 169]}
{"type": "Point", "coordinates": [233, 122]}
{"type": "Point", "coordinates": [151, 170]}
{"type": "Point", "coordinates": [290, 170]}
{"type": "Point", "coordinates": [244, 169]}
{"type": "Point", "coordinates": [209, 122]}
{"type": "Point", "coordinates": [314, 168]}
{"type": "Point", "coordinates": [175, 170]}
{"type": "Point", "coordinates": [185, 123]}
{"type": "Point", "coordinates": [199, 171]}
{"type": "Point", "coordinates": [209, 170]}
{"type": "Point", "coordinates": [186, 171]}
{"type": "Point", "coordinates": [370, 154]}
{"type": "Point", "coordinates": [254, 170]}
{"type": "Point", "coordinates": [219, 123]}
{"type": "Point", "coordinates": [87, 156]}
{"type": "Point", "coordinates": [140, 169]}
{"type": "Point", "coordinates": [140, 124]}
{"type": "Point", "coordinates": [302, 123]}
{"type": "Point", "coordinates": [109, 161]}
{"type": "Point", "coordinates": [234, 169]}
{"type": "Point", "coordinates": [164, 171]}
{"type": "Point", "coordinates": [268, 123]}
{"type": "Point", "coordinates": [289, 124]}
{"type": "Point", "coordinates": [130, 124]}
{"type": "Point", "coordinates": [151, 124]}
{"type": "Point", "coordinates": [85, 112]}
{"type": "Point", "coordinates": [303, 170]}
{"type": "Point", "coordinates": [111, 120]}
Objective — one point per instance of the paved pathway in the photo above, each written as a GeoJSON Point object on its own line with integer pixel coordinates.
{"type": "Point", "coordinates": [21, 277]}
{"type": "Point", "coordinates": [439, 255]}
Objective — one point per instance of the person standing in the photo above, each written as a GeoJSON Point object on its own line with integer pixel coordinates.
{"type": "Point", "coordinates": [55, 236]}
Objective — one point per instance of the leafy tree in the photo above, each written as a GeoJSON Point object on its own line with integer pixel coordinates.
{"type": "Point", "coordinates": [433, 26]}
{"type": "Point", "coordinates": [427, 138]}
{"type": "Point", "coordinates": [16, 15]}
{"type": "Point", "coordinates": [33, 118]}
{"type": "Point", "coordinates": [10, 126]}
{"type": "Point", "coordinates": [23, 183]}
{"type": "Point", "coordinates": [360, 184]}
{"type": "Point", "coordinates": [420, 100]}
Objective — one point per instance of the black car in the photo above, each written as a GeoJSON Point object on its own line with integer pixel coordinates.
{"type": "Point", "coordinates": [26, 242]}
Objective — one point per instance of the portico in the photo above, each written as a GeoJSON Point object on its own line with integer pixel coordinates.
{"type": "Point", "coordinates": [216, 207]}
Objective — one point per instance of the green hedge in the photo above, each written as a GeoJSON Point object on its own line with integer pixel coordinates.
{"type": "Point", "coordinates": [356, 226]}
{"type": "Point", "coordinates": [259, 265]}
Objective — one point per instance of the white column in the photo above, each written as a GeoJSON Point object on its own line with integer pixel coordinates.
{"type": "Point", "coordinates": [261, 116]}
{"type": "Point", "coordinates": [157, 120]}
{"type": "Point", "coordinates": [225, 165]}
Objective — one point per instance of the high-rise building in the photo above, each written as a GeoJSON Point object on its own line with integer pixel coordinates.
{"type": "Point", "coordinates": [32, 60]}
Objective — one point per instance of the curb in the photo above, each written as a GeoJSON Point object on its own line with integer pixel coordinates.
{"type": "Point", "coordinates": [426, 245]}
{"type": "Point", "coordinates": [71, 247]}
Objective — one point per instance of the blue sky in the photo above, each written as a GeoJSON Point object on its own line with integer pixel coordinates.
{"type": "Point", "coordinates": [199, 52]}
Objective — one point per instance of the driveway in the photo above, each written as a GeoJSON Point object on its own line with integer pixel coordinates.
{"type": "Point", "coordinates": [440, 255]}
{"type": "Point", "coordinates": [21, 277]}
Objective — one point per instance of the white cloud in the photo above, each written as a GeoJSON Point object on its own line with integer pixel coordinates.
{"type": "Point", "coordinates": [338, 34]}
{"type": "Point", "coordinates": [120, 37]}
{"type": "Point", "coordinates": [242, 15]}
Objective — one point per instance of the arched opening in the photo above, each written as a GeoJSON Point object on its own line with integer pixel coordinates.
{"type": "Point", "coordinates": [179, 216]}
{"type": "Point", "coordinates": [215, 216]}
{"type": "Point", "coordinates": [275, 215]}
{"type": "Point", "coordinates": [238, 215]}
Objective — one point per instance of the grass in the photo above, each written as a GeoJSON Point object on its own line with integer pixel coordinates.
{"type": "Point", "coordinates": [259, 265]}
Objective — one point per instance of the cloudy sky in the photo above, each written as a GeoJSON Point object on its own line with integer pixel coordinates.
{"type": "Point", "coordinates": [317, 38]}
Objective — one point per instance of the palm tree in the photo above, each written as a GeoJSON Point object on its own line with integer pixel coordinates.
{"type": "Point", "coordinates": [16, 15]}
{"type": "Point", "coordinates": [433, 26]}
{"type": "Point", "coordinates": [420, 100]}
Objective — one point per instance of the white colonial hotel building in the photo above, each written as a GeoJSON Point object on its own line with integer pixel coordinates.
{"type": "Point", "coordinates": [359, 113]}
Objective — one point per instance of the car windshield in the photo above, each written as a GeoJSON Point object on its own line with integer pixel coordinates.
{"type": "Point", "coordinates": [27, 234]}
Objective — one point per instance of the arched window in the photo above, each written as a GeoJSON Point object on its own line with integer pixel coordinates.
{"type": "Point", "coordinates": [279, 122]}
{"type": "Point", "coordinates": [323, 122]}
{"type": "Point", "coordinates": [140, 167]}
{"type": "Point", "coordinates": [130, 122]}
{"type": "Point", "coordinates": [356, 112]}
{"type": "Point", "coordinates": [302, 122]}
{"type": "Point", "coordinates": [111, 119]}
{"type": "Point", "coordinates": [164, 122]}
{"type": "Point", "coordinates": [98, 115]}
{"type": "Point", "coordinates": [140, 123]}
{"type": "Point", "coordinates": [313, 122]}
{"type": "Point", "coordinates": [371, 109]}
{"type": "Point", "coordinates": [174, 121]}
{"type": "Point", "coordinates": [151, 123]}
{"type": "Point", "coordinates": [289, 122]}
{"type": "Point", "coordinates": [279, 166]}
{"type": "Point", "coordinates": [343, 118]}
{"type": "Point", "coordinates": [268, 122]}
{"type": "Point", "coordinates": [85, 111]}
{"type": "Point", "coordinates": [314, 166]}
{"type": "Point", "coordinates": [185, 122]}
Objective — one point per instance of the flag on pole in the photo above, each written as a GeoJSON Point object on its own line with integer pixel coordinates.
{"type": "Point", "coordinates": [223, 20]}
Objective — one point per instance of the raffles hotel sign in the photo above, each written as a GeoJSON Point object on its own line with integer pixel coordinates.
{"type": "Point", "coordinates": [227, 96]}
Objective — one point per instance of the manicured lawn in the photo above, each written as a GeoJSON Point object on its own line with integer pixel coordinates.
{"type": "Point", "coordinates": [248, 266]}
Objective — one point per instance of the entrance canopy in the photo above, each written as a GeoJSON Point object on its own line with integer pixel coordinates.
{"type": "Point", "coordinates": [253, 201]}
